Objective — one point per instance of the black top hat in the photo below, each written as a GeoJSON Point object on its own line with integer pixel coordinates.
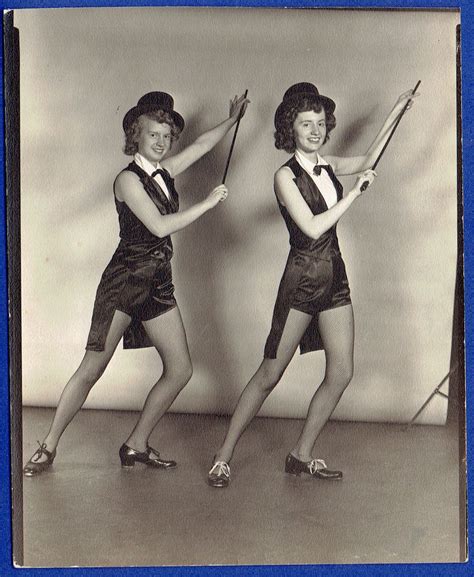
{"type": "Point", "coordinates": [303, 90]}
{"type": "Point", "coordinates": [151, 102]}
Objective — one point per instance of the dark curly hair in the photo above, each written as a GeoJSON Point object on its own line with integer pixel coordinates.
{"type": "Point", "coordinates": [284, 135]}
{"type": "Point", "coordinates": [132, 133]}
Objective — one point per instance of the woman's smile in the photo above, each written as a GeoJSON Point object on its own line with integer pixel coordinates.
{"type": "Point", "coordinates": [155, 140]}
{"type": "Point", "coordinates": [309, 129]}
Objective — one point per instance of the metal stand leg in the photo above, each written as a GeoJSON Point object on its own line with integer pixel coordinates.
{"type": "Point", "coordinates": [435, 392]}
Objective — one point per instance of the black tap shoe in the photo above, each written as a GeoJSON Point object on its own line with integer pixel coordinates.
{"type": "Point", "coordinates": [150, 457]}
{"type": "Point", "coordinates": [34, 466]}
{"type": "Point", "coordinates": [315, 468]}
{"type": "Point", "coordinates": [219, 475]}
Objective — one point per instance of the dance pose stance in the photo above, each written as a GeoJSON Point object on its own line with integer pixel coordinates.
{"type": "Point", "coordinates": [135, 298]}
{"type": "Point", "coordinates": [313, 307]}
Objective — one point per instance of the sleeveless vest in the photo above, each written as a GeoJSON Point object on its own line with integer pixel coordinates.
{"type": "Point", "coordinates": [327, 244]}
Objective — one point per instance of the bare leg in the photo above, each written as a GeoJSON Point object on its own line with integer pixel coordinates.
{"type": "Point", "coordinates": [263, 382]}
{"type": "Point", "coordinates": [337, 331]}
{"type": "Point", "coordinates": [168, 336]}
{"type": "Point", "coordinates": [79, 385]}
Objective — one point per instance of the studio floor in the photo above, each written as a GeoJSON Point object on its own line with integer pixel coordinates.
{"type": "Point", "coordinates": [399, 501]}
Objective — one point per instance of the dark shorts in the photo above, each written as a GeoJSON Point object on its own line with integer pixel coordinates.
{"type": "Point", "coordinates": [143, 300]}
{"type": "Point", "coordinates": [310, 285]}
{"type": "Point", "coordinates": [142, 293]}
{"type": "Point", "coordinates": [322, 285]}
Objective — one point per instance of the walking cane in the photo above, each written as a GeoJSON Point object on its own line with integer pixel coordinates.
{"type": "Point", "coordinates": [233, 141]}
{"type": "Point", "coordinates": [365, 184]}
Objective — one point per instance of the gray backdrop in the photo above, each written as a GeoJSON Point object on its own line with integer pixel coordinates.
{"type": "Point", "coordinates": [81, 70]}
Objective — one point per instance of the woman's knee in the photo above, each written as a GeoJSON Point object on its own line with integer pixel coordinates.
{"type": "Point", "coordinates": [340, 374]}
{"type": "Point", "coordinates": [187, 372]}
{"type": "Point", "coordinates": [270, 375]}
{"type": "Point", "coordinates": [347, 372]}
{"type": "Point", "coordinates": [90, 374]}
{"type": "Point", "coordinates": [180, 373]}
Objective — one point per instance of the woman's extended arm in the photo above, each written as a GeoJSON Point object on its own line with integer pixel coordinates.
{"type": "Point", "coordinates": [204, 143]}
{"type": "Point", "coordinates": [355, 164]}
{"type": "Point", "coordinates": [129, 189]}
{"type": "Point", "coordinates": [314, 225]}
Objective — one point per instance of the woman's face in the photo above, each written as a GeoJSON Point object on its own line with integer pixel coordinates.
{"type": "Point", "coordinates": [155, 139]}
{"type": "Point", "coordinates": [309, 129]}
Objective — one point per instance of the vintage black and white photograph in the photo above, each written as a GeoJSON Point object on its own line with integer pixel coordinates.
{"type": "Point", "coordinates": [236, 270]}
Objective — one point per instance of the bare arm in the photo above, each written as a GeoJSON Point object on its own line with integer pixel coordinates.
{"type": "Point", "coordinates": [356, 164]}
{"type": "Point", "coordinates": [313, 225]}
{"type": "Point", "coordinates": [204, 143]}
{"type": "Point", "coordinates": [129, 189]}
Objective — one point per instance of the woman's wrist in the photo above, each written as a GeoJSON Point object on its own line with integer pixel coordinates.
{"type": "Point", "coordinates": [205, 204]}
{"type": "Point", "coordinates": [397, 110]}
{"type": "Point", "coordinates": [354, 193]}
{"type": "Point", "coordinates": [232, 120]}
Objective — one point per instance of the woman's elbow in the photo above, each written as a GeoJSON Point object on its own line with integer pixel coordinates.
{"type": "Point", "coordinates": [310, 229]}
{"type": "Point", "coordinates": [315, 235]}
{"type": "Point", "coordinates": [158, 231]}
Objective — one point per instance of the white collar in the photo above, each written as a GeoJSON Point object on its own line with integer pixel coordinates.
{"type": "Point", "coordinates": [148, 167]}
{"type": "Point", "coordinates": [145, 164]}
{"type": "Point", "coordinates": [309, 165]}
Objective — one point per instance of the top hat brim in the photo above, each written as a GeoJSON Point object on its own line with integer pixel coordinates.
{"type": "Point", "coordinates": [328, 104]}
{"type": "Point", "coordinates": [137, 111]}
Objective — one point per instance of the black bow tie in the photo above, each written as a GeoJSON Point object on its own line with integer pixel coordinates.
{"type": "Point", "coordinates": [159, 171]}
{"type": "Point", "coordinates": [317, 168]}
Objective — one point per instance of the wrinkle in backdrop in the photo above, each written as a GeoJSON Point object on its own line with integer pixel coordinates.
{"type": "Point", "coordinates": [82, 69]}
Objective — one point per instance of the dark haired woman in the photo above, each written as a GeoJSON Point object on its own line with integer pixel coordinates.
{"type": "Point", "coordinates": [313, 307]}
{"type": "Point", "coordinates": [135, 297]}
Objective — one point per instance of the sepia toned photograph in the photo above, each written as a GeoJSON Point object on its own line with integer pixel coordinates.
{"type": "Point", "coordinates": [235, 256]}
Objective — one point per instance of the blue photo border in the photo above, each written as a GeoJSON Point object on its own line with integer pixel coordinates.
{"type": "Point", "coordinates": [466, 8]}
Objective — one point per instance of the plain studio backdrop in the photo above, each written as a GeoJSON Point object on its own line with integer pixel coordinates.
{"type": "Point", "coordinates": [81, 70]}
